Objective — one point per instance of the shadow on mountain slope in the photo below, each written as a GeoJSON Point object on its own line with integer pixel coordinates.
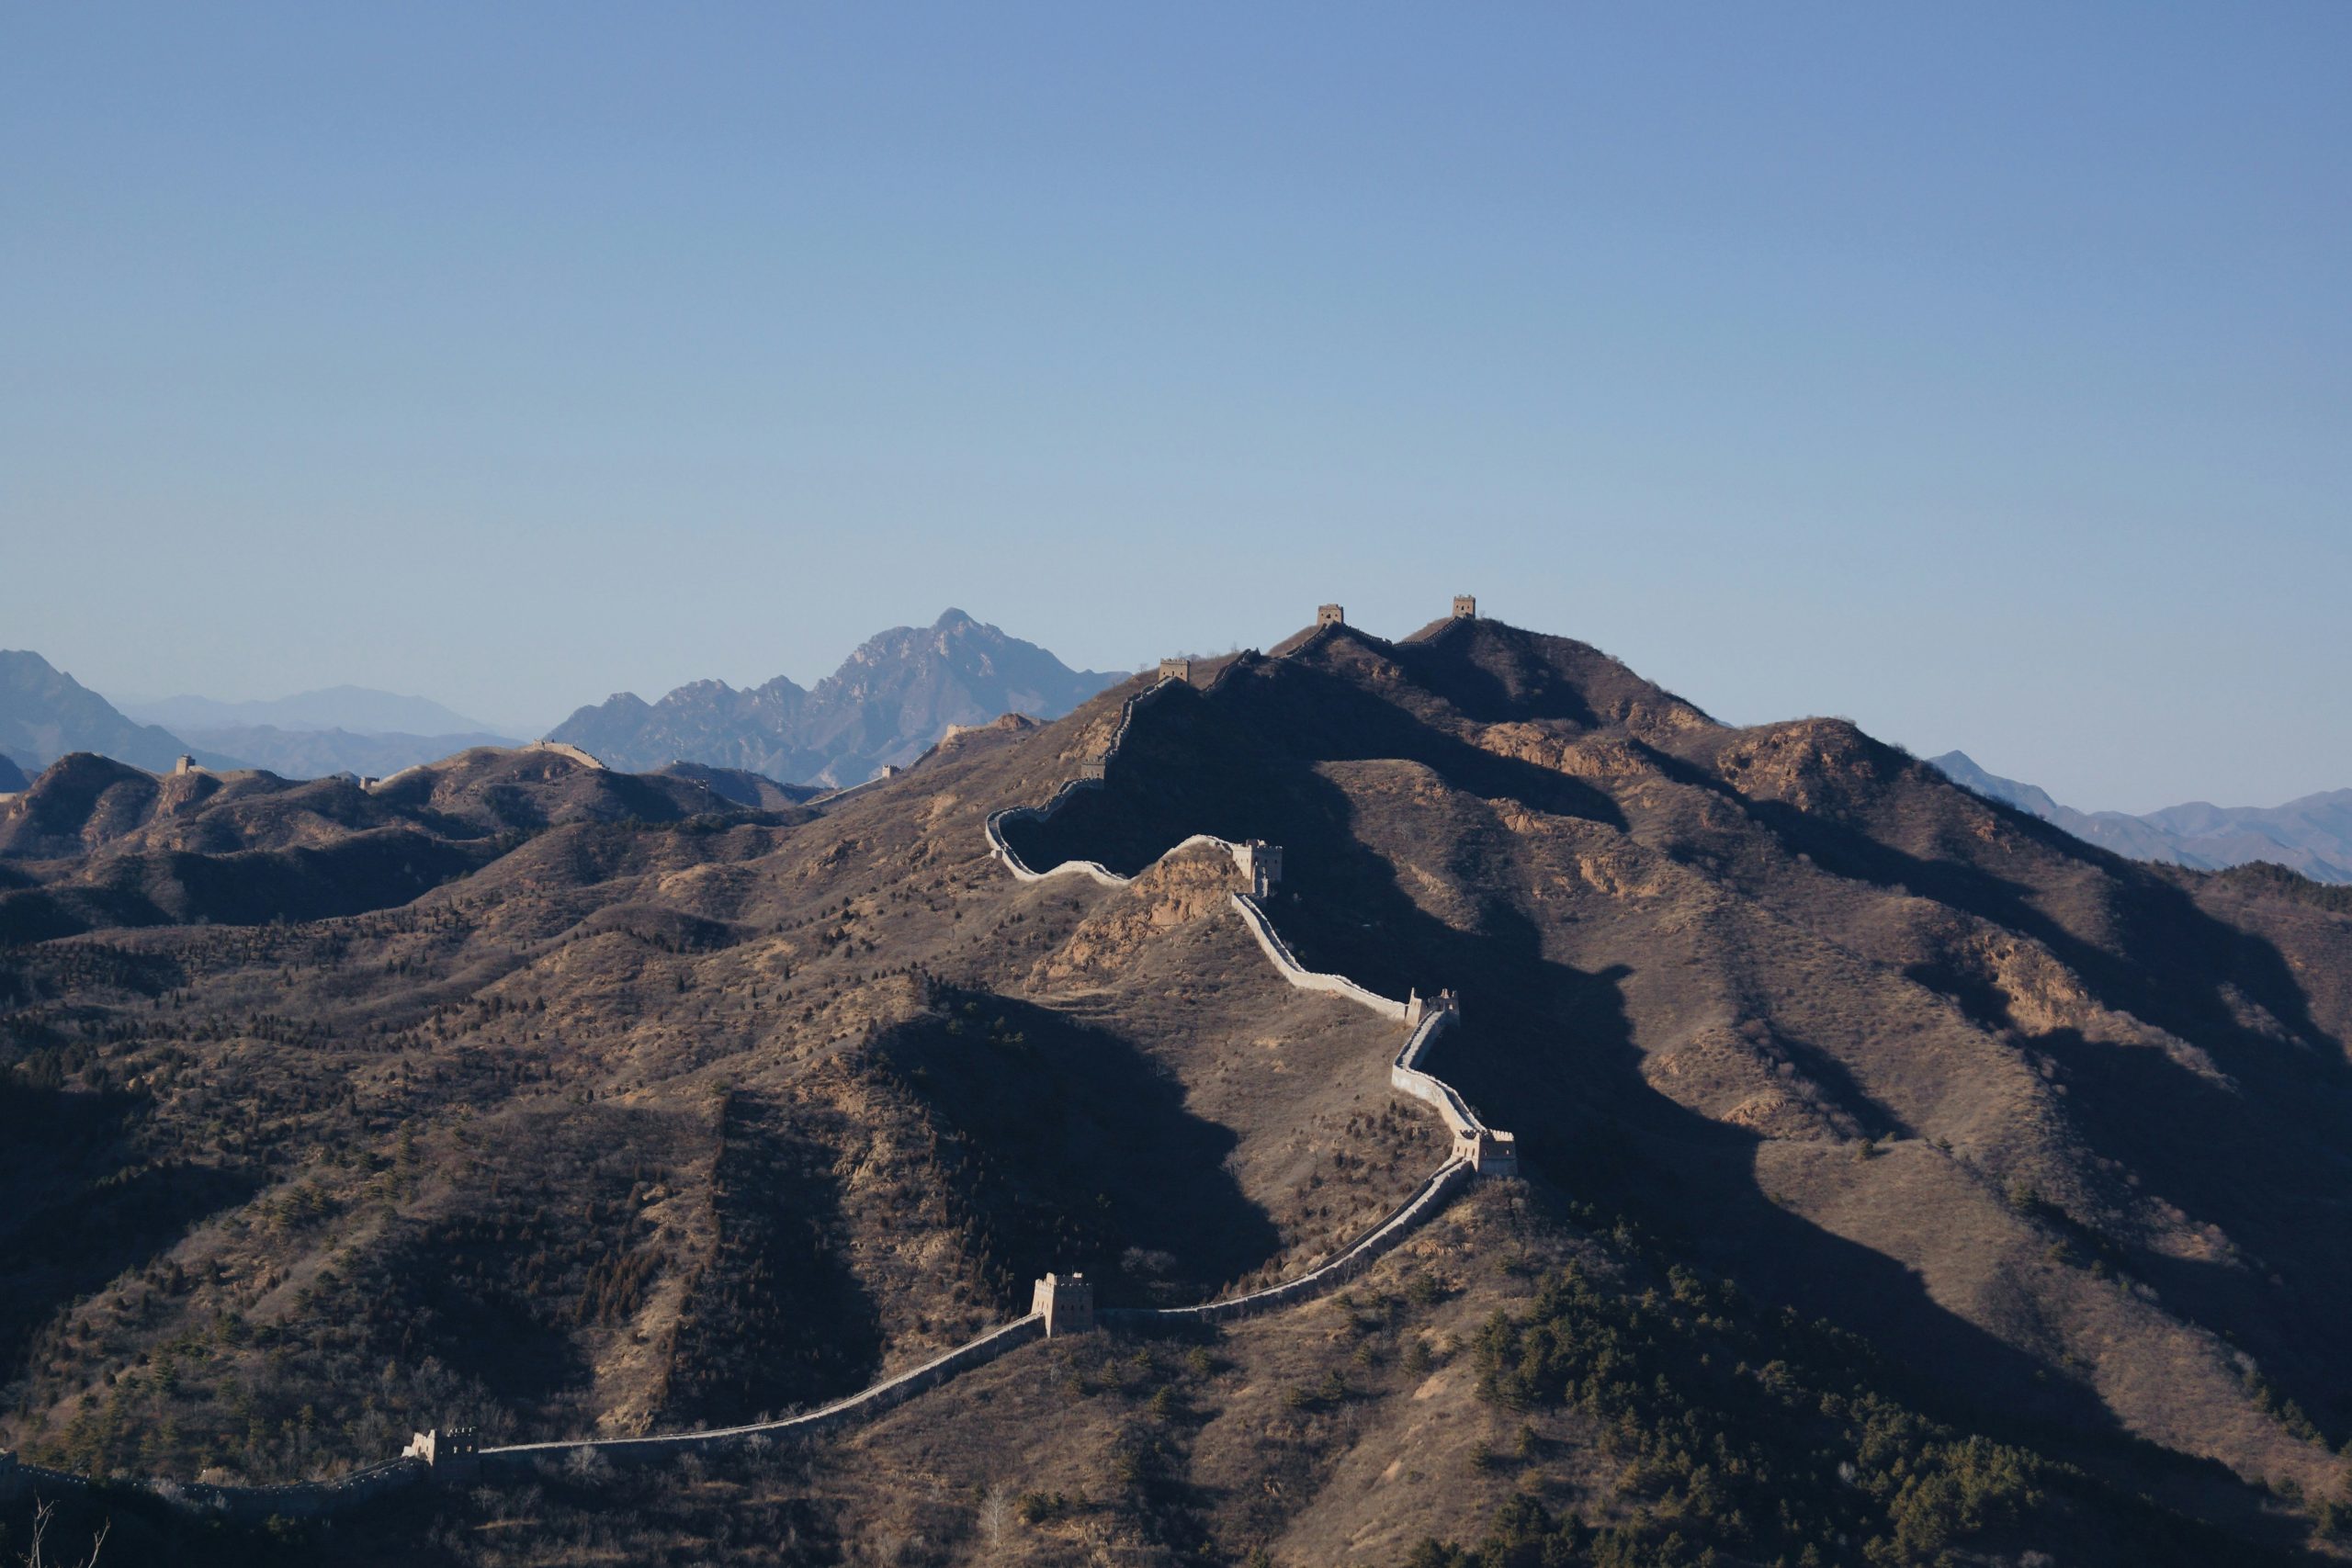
{"type": "Point", "coordinates": [82, 1208]}
{"type": "Point", "coordinates": [1077, 1147]}
{"type": "Point", "coordinates": [775, 1318]}
{"type": "Point", "coordinates": [1307, 757]}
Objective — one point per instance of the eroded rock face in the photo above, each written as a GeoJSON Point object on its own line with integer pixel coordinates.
{"type": "Point", "coordinates": [1189, 885]}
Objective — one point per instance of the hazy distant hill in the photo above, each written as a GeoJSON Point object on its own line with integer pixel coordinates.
{"type": "Point", "coordinates": [336, 730]}
{"type": "Point", "coordinates": [2313, 834]}
{"type": "Point", "coordinates": [888, 702]}
{"type": "Point", "coordinates": [45, 713]}
{"type": "Point", "coordinates": [361, 710]}
{"type": "Point", "coordinates": [315, 754]}
{"type": "Point", "coordinates": [12, 777]}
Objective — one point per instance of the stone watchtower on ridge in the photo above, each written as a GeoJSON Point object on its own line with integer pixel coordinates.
{"type": "Point", "coordinates": [1176, 670]}
{"type": "Point", "coordinates": [1491, 1153]}
{"type": "Point", "coordinates": [1262, 862]}
{"type": "Point", "coordinates": [1329, 616]}
{"type": "Point", "coordinates": [1066, 1301]}
{"type": "Point", "coordinates": [1466, 607]}
{"type": "Point", "coordinates": [1418, 1007]}
{"type": "Point", "coordinates": [453, 1452]}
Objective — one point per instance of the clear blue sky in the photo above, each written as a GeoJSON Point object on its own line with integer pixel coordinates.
{"type": "Point", "coordinates": [1981, 372]}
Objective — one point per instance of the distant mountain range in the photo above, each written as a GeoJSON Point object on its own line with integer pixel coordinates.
{"type": "Point", "coordinates": [336, 730]}
{"type": "Point", "coordinates": [888, 702]}
{"type": "Point", "coordinates": [357, 710]}
{"type": "Point", "coordinates": [2313, 835]}
{"type": "Point", "coordinates": [45, 713]}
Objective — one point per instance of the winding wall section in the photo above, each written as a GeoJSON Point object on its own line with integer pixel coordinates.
{"type": "Point", "coordinates": [1476, 1149]}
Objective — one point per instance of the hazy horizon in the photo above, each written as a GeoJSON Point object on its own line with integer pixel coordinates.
{"type": "Point", "coordinates": [1981, 376]}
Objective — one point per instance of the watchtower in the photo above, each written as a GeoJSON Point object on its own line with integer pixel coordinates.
{"type": "Point", "coordinates": [186, 764]}
{"type": "Point", "coordinates": [454, 1452]}
{"type": "Point", "coordinates": [1066, 1301]}
{"type": "Point", "coordinates": [1418, 1007]}
{"type": "Point", "coordinates": [1330, 615]}
{"type": "Point", "coordinates": [1094, 769]}
{"type": "Point", "coordinates": [1466, 607]}
{"type": "Point", "coordinates": [1262, 862]}
{"type": "Point", "coordinates": [1176, 670]}
{"type": "Point", "coordinates": [1491, 1153]}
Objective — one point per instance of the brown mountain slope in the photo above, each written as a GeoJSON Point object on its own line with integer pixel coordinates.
{"type": "Point", "coordinates": [1791, 991]}
{"type": "Point", "coordinates": [650, 1122]}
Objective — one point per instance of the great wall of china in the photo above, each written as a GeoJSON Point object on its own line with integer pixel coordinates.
{"type": "Point", "coordinates": [1060, 1303]}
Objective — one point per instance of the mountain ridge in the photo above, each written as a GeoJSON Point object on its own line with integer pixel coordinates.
{"type": "Point", "coordinates": [2312, 834]}
{"type": "Point", "coordinates": [895, 695]}
{"type": "Point", "coordinates": [45, 714]}
{"type": "Point", "coordinates": [359, 710]}
{"type": "Point", "coordinates": [650, 1113]}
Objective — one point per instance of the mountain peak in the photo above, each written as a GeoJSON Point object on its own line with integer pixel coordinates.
{"type": "Point", "coordinates": [45, 714]}
{"type": "Point", "coordinates": [891, 699]}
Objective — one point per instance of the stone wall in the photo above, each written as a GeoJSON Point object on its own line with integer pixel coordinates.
{"type": "Point", "coordinates": [565, 749]}
{"type": "Point", "coordinates": [1269, 940]}
{"type": "Point", "coordinates": [245, 1505]}
{"type": "Point", "coordinates": [1367, 1249]}
{"type": "Point", "coordinates": [881, 777]}
{"type": "Point", "coordinates": [864, 1405]}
